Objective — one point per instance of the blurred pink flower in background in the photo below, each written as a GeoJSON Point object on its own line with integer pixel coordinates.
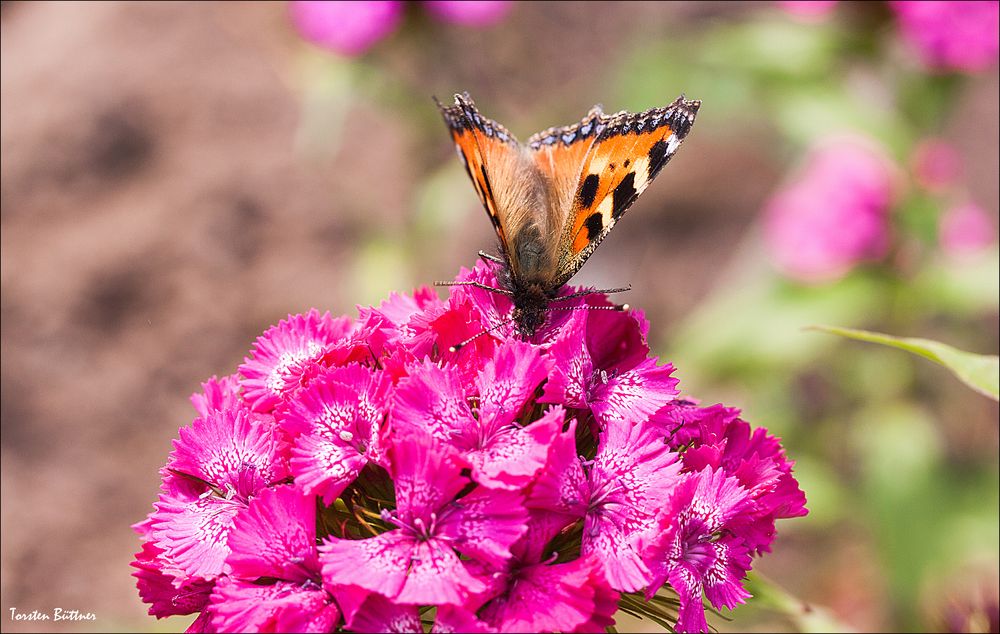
{"type": "Point", "coordinates": [470, 12]}
{"type": "Point", "coordinates": [815, 11]}
{"type": "Point", "coordinates": [936, 164]}
{"type": "Point", "coordinates": [834, 214]}
{"type": "Point", "coordinates": [348, 28]}
{"type": "Point", "coordinates": [952, 35]}
{"type": "Point", "coordinates": [351, 28]}
{"type": "Point", "coordinates": [966, 228]}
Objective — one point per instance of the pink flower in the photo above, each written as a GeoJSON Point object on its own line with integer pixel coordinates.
{"type": "Point", "coordinates": [166, 593]}
{"type": "Point", "coordinates": [335, 424]}
{"type": "Point", "coordinates": [274, 582]}
{"type": "Point", "coordinates": [217, 466]}
{"type": "Point", "coordinates": [717, 438]}
{"type": "Point", "coordinates": [630, 479]}
{"type": "Point", "coordinates": [834, 215]}
{"type": "Point", "coordinates": [559, 495]}
{"type": "Point", "coordinates": [809, 10]}
{"type": "Point", "coordinates": [615, 391]}
{"type": "Point", "coordinates": [228, 453]}
{"type": "Point", "coordinates": [377, 615]}
{"type": "Point", "coordinates": [451, 619]}
{"type": "Point", "coordinates": [281, 606]}
{"type": "Point", "coordinates": [966, 229]}
{"type": "Point", "coordinates": [530, 592]}
{"type": "Point", "coordinates": [936, 164]}
{"type": "Point", "coordinates": [417, 562]}
{"type": "Point", "coordinates": [501, 452]}
{"type": "Point", "coordinates": [540, 596]}
{"type": "Point", "coordinates": [470, 12]}
{"type": "Point", "coordinates": [619, 494]}
{"type": "Point", "coordinates": [284, 355]}
{"type": "Point", "coordinates": [507, 484]}
{"type": "Point", "coordinates": [696, 553]}
{"type": "Point", "coordinates": [275, 538]}
{"type": "Point", "coordinates": [346, 27]}
{"type": "Point", "coordinates": [217, 394]}
{"type": "Point", "coordinates": [951, 35]}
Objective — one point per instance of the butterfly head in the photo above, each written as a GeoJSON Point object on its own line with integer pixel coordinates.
{"type": "Point", "coordinates": [531, 304]}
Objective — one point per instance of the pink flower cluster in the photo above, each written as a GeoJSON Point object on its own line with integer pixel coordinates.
{"type": "Point", "coordinates": [356, 473]}
{"type": "Point", "coordinates": [952, 35]}
{"type": "Point", "coordinates": [352, 27]}
{"type": "Point", "coordinates": [946, 35]}
{"type": "Point", "coordinates": [834, 214]}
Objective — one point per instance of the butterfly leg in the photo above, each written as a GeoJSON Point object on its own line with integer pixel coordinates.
{"type": "Point", "coordinates": [592, 291]}
{"type": "Point", "coordinates": [490, 257]}
{"type": "Point", "coordinates": [485, 287]}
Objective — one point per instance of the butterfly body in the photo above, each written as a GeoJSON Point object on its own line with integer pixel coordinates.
{"type": "Point", "coordinates": [531, 300]}
{"type": "Point", "coordinates": [553, 199]}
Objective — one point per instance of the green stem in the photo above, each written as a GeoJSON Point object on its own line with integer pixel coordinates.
{"type": "Point", "coordinates": [805, 616]}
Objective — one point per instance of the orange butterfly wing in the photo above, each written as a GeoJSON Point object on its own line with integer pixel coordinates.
{"type": "Point", "coordinates": [624, 153]}
{"type": "Point", "coordinates": [559, 155]}
{"type": "Point", "coordinates": [489, 153]}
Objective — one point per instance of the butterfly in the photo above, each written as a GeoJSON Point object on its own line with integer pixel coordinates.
{"type": "Point", "coordinates": [553, 199]}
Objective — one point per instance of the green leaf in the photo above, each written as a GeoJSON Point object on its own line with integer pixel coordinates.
{"type": "Point", "coordinates": [978, 371]}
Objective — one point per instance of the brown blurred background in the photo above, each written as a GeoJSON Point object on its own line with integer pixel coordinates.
{"type": "Point", "coordinates": [172, 185]}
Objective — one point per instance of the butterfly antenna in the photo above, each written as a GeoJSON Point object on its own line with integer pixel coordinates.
{"type": "Point", "coordinates": [459, 346]}
{"type": "Point", "coordinates": [491, 258]}
{"type": "Point", "coordinates": [617, 307]}
{"type": "Point", "coordinates": [485, 287]}
{"type": "Point", "coordinates": [592, 291]}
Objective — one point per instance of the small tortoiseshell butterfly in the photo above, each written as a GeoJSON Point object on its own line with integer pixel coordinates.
{"type": "Point", "coordinates": [553, 199]}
